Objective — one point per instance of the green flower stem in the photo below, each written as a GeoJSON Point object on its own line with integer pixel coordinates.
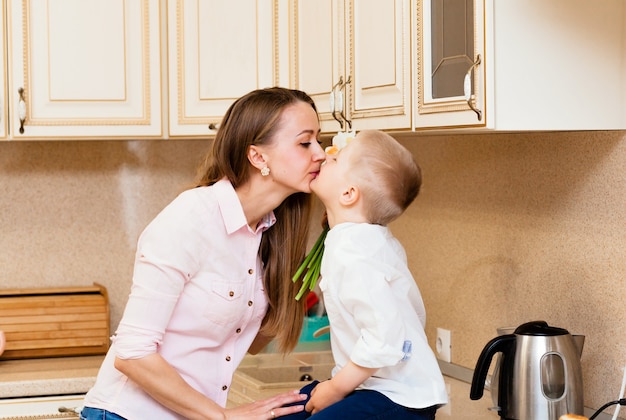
{"type": "Point", "coordinates": [309, 257]}
{"type": "Point", "coordinates": [311, 266]}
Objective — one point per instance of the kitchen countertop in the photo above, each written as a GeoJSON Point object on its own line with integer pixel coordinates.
{"type": "Point", "coordinates": [76, 375]}
{"type": "Point", "coordinates": [48, 376]}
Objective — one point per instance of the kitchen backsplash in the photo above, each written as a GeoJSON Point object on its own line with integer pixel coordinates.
{"type": "Point", "coordinates": [508, 228]}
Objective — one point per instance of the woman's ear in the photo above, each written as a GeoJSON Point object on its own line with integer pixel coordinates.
{"type": "Point", "coordinates": [256, 157]}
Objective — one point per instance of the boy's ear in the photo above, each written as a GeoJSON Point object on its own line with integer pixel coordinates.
{"type": "Point", "coordinates": [350, 195]}
{"type": "Point", "coordinates": [256, 158]}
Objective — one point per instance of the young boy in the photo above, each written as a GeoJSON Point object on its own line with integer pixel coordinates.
{"type": "Point", "coordinates": [384, 365]}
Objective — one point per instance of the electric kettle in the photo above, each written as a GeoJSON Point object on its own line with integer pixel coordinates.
{"type": "Point", "coordinates": [538, 375]}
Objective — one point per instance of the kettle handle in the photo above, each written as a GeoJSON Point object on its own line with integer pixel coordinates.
{"type": "Point", "coordinates": [502, 343]}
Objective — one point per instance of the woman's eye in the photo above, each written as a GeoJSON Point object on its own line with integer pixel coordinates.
{"type": "Point", "coordinates": [309, 143]}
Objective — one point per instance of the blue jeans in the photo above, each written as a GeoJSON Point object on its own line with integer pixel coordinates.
{"type": "Point", "coordinates": [362, 404]}
{"type": "Point", "coordinates": [89, 413]}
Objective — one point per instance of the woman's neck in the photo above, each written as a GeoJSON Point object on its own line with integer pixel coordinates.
{"type": "Point", "coordinates": [258, 199]}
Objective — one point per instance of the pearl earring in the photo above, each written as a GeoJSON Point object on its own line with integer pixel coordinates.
{"type": "Point", "coordinates": [265, 171]}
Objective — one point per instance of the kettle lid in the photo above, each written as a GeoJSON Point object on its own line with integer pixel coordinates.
{"type": "Point", "coordinates": [540, 328]}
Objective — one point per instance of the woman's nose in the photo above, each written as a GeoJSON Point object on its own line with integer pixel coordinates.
{"type": "Point", "coordinates": [319, 153]}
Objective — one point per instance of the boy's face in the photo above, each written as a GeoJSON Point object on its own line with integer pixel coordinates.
{"type": "Point", "coordinates": [334, 175]}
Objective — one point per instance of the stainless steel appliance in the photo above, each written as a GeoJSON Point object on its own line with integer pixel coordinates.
{"type": "Point", "coordinates": [538, 375]}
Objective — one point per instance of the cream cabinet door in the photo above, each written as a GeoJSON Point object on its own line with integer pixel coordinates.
{"type": "Point", "coordinates": [4, 112]}
{"type": "Point", "coordinates": [378, 57]}
{"type": "Point", "coordinates": [218, 50]}
{"type": "Point", "coordinates": [85, 68]}
{"type": "Point", "coordinates": [450, 71]}
{"type": "Point", "coordinates": [41, 408]}
{"type": "Point", "coordinates": [317, 53]}
{"type": "Point", "coordinates": [480, 66]}
{"type": "Point", "coordinates": [362, 49]}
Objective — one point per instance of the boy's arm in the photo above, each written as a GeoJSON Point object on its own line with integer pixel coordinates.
{"type": "Point", "coordinates": [336, 389]}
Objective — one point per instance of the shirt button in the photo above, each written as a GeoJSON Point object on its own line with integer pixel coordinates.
{"type": "Point", "coordinates": [231, 293]}
{"type": "Point", "coordinates": [250, 271]}
{"type": "Point", "coordinates": [238, 330]}
{"type": "Point", "coordinates": [224, 388]}
{"type": "Point", "coordinates": [249, 303]}
{"type": "Point", "coordinates": [228, 358]}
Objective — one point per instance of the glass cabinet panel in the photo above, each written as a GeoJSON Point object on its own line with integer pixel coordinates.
{"type": "Point", "coordinates": [452, 29]}
{"type": "Point", "coordinates": [450, 76]}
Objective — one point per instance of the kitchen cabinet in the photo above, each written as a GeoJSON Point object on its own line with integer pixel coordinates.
{"type": "Point", "coordinates": [360, 49]}
{"type": "Point", "coordinates": [520, 64]}
{"type": "Point", "coordinates": [3, 96]}
{"type": "Point", "coordinates": [217, 51]}
{"type": "Point", "coordinates": [84, 68]}
{"type": "Point", "coordinates": [58, 407]}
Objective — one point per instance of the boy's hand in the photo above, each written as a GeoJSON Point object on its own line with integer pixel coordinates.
{"type": "Point", "coordinates": [344, 382]}
{"type": "Point", "coordinates": [323, 395]}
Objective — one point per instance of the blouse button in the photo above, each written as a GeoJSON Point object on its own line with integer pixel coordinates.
{"type": "Point", "coordinates": [249, 303]}
{"type": "Point", "coordinates": [224, 388]}
{"type": "Point", "coordinates": [231, 293]}
{"type": "Point", "coordinates": [250, 271]}
{"type": "Point", "coordinates": [238, 330]}
{"type": "Point", "coordinates": [228, 358]}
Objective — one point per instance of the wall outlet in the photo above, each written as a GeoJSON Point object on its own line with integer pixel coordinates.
{"type": "Point", "coordinates": [443, 344]}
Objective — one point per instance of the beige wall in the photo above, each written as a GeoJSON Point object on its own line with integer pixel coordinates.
{"type": "Point", "coordinates": [512, 228]}
{"type": "Point", "coordinates": [508, 228]}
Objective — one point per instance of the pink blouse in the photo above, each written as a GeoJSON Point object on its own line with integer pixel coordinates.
{"type": "Point", "coordinates": [197, 299]}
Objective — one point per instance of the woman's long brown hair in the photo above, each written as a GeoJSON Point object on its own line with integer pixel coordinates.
{"type": "Point", "coordinates": [252, 120]}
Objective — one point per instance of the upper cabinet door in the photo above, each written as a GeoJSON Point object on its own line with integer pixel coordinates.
{"type": "Point", "coordinates": [85, 68]}
{"type": "Point", "coordinates": [4, 112]}
{"type": "Point", "coordinates": [450, 63]}
{"type": "Point", "coordinates": [480, 64]}
{"type": "Point", "coordinates": [360, 50]}
{"type": "Point", "coordinates": [316, 53]}
{"type": "Point", "coordinates": [378, 56]}
{"type": "Point", "coordinates": [218, 51]}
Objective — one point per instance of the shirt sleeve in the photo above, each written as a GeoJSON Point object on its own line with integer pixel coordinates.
{"type": "Point", "coordinates": [167, 256]}
{"type": "Point", "coordinates": [365, 292]}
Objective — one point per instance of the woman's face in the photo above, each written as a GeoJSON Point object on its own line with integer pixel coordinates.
{"type": "Point", "coordinates": [334, 176]}
{"type": "Point", "coordinates": [295, 154]}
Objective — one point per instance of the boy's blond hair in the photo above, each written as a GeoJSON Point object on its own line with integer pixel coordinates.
{"type": "Point", "coordinates": [387, 175]}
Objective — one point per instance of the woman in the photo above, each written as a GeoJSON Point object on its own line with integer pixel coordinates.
{"type": "Point", "coordinates": [212, 271]}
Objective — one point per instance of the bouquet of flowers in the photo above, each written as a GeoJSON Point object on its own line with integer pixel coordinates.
{"type": "Point", "coordinates": [309, 270]}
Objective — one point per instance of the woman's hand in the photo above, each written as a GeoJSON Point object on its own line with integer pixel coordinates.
{"type": "Point", "coordinates": [269, 408]}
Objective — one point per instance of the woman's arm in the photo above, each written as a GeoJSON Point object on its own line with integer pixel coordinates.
{"type": "Point", "coordinates": [163, 383]}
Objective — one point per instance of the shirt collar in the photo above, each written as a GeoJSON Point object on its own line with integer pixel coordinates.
{"type": "Point", "coordinates": [232, 212]}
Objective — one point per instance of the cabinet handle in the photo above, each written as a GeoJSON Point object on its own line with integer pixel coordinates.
{"type": "Point", "coordinates": [68, 410]}
{"type": "Point", "coordinates": [21, 109]}
{"type": "Point", "coordinates": [337, 101]}
{"type": "Point", "coordinates": [467, 88]}
{"type": "Point", "coordinates": [342, 89]}
{"type": "Point", "coordinates": [333, 101]}
{"type": "Point", "coordinates": [214, 126]}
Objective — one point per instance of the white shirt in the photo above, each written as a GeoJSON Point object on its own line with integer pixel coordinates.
{"type": "Point", "coordinates": [374, 306]}
{"type": "Point", "coordinates": [197, 299]}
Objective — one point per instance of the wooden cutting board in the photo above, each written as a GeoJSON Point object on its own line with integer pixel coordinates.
{"type": "Point", "coordinates": [50, 322]}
